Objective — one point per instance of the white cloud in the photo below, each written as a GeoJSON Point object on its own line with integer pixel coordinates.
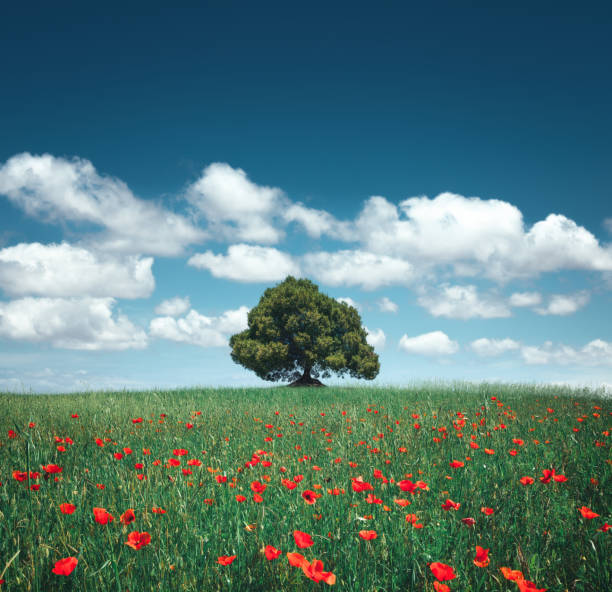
{"type": "Point", "coordinates": [64, 270]}
{"type": "Point", "coordinates": [525, 299]}
{"type": "Point", "coordinates": [564, 304]}
{"type": "Point", "coordinates": [493, 347]}
{"type": "Point", "coordinates": [595, 353]}
{"type": "Point", "coordinates": [173, 307]}
{"type": "Point", "coordinates": [235, 207]}
{"type": "Point", "coordinates": [386, 305]}
{"type": "Point", "coordinates": [350, 302]}
{"type": "Point", "coordinates": [247, 263]}
{"type": "Point", "coordinates": [319, 222]}
{"type": "Point", "coordinates": [376, 338]}
{"type": "Point", "coordinates": [477, 237]}
{"type": "Point", "coordinates": [435, 343]}
{"type": "Point", "coordinates": [357, 268]}
{"type": "Point", "coordinates": [462, 302]}
{"type": "Point", "coordinates": [60, 190]}
{"type": "Point", "coordinates": [70, 323]}
{"type": "Point", "coordinates": [197, 329]}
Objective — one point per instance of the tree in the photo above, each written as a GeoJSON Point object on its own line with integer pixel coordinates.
{"type": "Point", "coordinates": [297, 333]}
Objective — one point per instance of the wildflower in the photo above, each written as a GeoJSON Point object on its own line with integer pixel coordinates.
{"type": "Point", "coordinates": [368, 535]}
{"type": "Point", "coordinates": [442, 572]}
{"type": "Point", "coordinates": [526, 480]}
{"type": "Point", "coordinates": [310, 497]}
{"type": "Point", "coordinates": [127, 517]}
{"type": "Point", "coordinates": [50, 469]}
{"type": "Point", "coordinates": [438, 587]}
{"type": "Point", "coordinates": [511, 574]}
{"type": "Point", "coordinates": [302, 539]}
{"type": "Point", "coordinates": [101, 516]}
{"type": "Point", "coordinates": [137, 540]}
{"type": "Point", "coordinates": [487, 511]}
{"type": "Point", "coordinates": [225, 559]}
{"type": "Point", "coordinates": [315, 572]}
{"type": "Point", "coordinates": [271, 552]}
{"type": "Point", "coordinates": [587, 513]}
{"type": "Point", "coordinates": [158, 510]}
{"type": "Point", "coordinates": [64, 567]}
{"type": "Point", "coordinates": [67, 508]}
{"type": "Point", "coordinates": [448, 504]}
{"type": "Point", "coordinates": [456, 464]}
{"type": "Point", "coordinates": [482, 557]}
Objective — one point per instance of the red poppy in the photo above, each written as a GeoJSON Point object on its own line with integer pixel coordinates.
{"type": "Point", "coordinates": [438, 587]}
{"type": "Point", "coordinates": [220, 478]}
{"type": "Point", "coordinates": [526, 480]}
{"type": "Point", "coordinates": [128, 516]}
{"type": "Point", "coordinates": [407, 485]}
{"type": "Point", "coordinates": [456, 464]}
{"type": "Point", "coordinates": [468, 521]}
{"type": "Point", "coordinates": [587, 513]}
{"type": "Point", "coordinates": [448, 504]}
{"type": "Point", "coordinates": [359, 485]}
{"type": "Point", "coordinates": [64, 567]}
{"type": "Point", "coordinates": [258, 487]}
{"type": "Point", "coordinates": [372, 499]}
{"type": "Point", "coordinates": [442, 572]}
{"type": "Point", "coordinates": [302, 539]}
{"type": "Point", "coordinates": [315, 572]}
{"type": "Point", "coordinates": [180, 452]}
{"type": "Point", "coordinates": [310, 497]}
{"type": "Point", "coordinates": [289, 484]}
{"type": "Point", "coordinates": [605, 528]}
{"type": "Point", "coordinates": [257, 498]}
{"type": "Point", "coordinates": [137, 540]}
{"type": "Point", "coordinates": [511, 574]}
{"type": "Point", "coordinates": [240, 498]}
{"type": "Point", "coordinates": [50, 469]}
{"type": "Point", "coordinates": [20, 475]}
{"type": "Point", "coordinates": [527, 586]}
{"type": "Point", "coordinates": [368, 535]}
{"type": "Point", "coordinates": [487, 511]}
{"type": "Point", "coordinates": [67, 508]}
{"type": "Point", "coordinates": [225, 559]}
{"type": "Point", "coordinates": [296, 559]}
{"type": "Point", "coordinates": [158, 510]}
{"type": "Point", "coordinates": [482, 557]}
{"type": "Point", "coordinates": [101, 516]}
{"type": "Point", "coordinates": [271, 552]}
{"type": "Point", "coordinates": [402, 502]}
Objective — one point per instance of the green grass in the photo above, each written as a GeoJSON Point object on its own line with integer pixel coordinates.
{"type": "Point", "coordinates": [536, 529]}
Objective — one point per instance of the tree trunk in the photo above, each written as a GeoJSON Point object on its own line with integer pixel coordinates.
{"type": "Point", "coordinates": [306, 379]}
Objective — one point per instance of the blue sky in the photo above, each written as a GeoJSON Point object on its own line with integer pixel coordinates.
{"type": "Point", "coordinates": [446, 168]}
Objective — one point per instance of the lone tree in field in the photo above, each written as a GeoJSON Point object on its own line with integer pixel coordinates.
{"type": "Point", "coordinates": [296, 333]}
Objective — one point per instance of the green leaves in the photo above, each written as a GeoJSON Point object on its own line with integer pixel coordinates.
{"type": "Point", "coordinates": [295, 330]}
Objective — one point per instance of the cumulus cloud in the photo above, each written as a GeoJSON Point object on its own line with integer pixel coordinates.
{"type": "Point", "coordinates": [59, 190]}
{"type": "Point", "coordinates": [197, 329]}
{"type": "Point", "coordinates": [356, 268]}
{"type": "Point", "coordinates": [493, 347]}
{"type": "Point", "coordinates": [70, 323]}
{"type": "Point", "coordinates": [462, 302]}
{"type": "Point", "coordinates": [58, 270]}
{"type": "Point", "coordinates": [350, 302]}
{"type": "Point", "coordinates": [319, 222]}
{"type": "Point", "coordinates": [477, 237]}
{"type": "Point", "coordinates": [436, 343]}
{"type": "Point", "coordinates": [173, 307]}
{"type": "Point", "coordinates": [386, 305]}
{"type": "Point", "coordinates": [595, 353]}
{"type": "Point", "coordinates": [376, 338]}
{"type": "Point", "coordinates": [564, 304]}
{"type": "Point", "coordinates": [525, 299]}
{"type": "Point", "coordinates": [247, 263]}
{"type": "Point", "coordinates": [235, 207]}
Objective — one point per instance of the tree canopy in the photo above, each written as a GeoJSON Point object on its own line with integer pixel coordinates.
{"type": "Point", "coordinates": [297, 333]}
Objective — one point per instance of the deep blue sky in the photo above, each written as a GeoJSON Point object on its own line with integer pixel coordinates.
{"type": "Point", "coordinates": [333, 103]}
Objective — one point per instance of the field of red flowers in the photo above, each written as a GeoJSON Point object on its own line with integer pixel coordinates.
{"type": "Point", "coordinates": [435, 488]}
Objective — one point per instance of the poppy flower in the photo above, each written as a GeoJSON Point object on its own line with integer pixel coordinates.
{"type": "Point", "coordinates": [487, 511]}
{"type": "Point", "coordinates": [101, 516]}
{"type": "Point", "coordinates": [438, 587]}
{"type": "Point", "coordinates": [302, 539]}
{"type": "Point", "coordinates": [315, 572]}
{"type": "Point", "coordinates": [64, 567]}
{"type": "Point", "coordinates": [158, 510]}
{"type": "Point", "coordinates": [180, 452]}
{"type": "Point", "coordinates": [240, 498]}
{"type": "Point", "coordinates": [526, 480]}
{"type": "Point", "coordinates": [482, 557]}
{"type": "Point", "coordinates": [258, 487]}
{"type": "Point", "coordinates": [296, 559]}
{"type": "Point", "coordinates": [310, 497]}
{"type": "Point", "coordinates": [468, 521]}
{"type": "Point", "coordinates": [511, 574]}
{"type": "Point", "coordinates": [456, 464]}
{"type": "Point", "coordinates": [527, 586]}
{"type": "Point", "coordinates": [448, 504]}
{"type": "Point", "coordinates": [220, 478]}
{"type": "Point", "coordinates": [225, 559]}
{"type": "Point", "coordinates": [559, 478]}
{"type": "Point", "coordinates": [289, 484]}
{"type": "Point", "coordinates": [20, 475]}
{"type": "Point", "coordinates": [587, 513]}
{"type": "Point", "coordinates": [271, 552]}
{"type": "Point", "coordinates": [407, 485]}
{"type": "Point", "coordinates": [50, 469]}
{"type": "Point", "coordinates": [368, 535]}
{"type": "Point", "coordinates": [605, 528]}
{"type": "Point", "coordinates": [67, 508]}
{"type": "Point", "coordinates": [442, 572]}
{"type": "Point", "coordinates": [402, 502]}
{"type": "Point", "coordinates": [257, 498]}
{"type": "Point", "coordinates": [137, 540]}
{"type": "Point", "coordinates": [359, 485]}
{"type": "Point", "coordinates": [127, 517]}
{"type": "Point", "coordinates": [372, 499]}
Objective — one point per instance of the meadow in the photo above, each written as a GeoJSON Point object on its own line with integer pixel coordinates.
{"type": "Point", "coordinates": [431, 487]}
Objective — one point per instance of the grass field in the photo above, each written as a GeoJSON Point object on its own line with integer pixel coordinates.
{"type": "Point", "coordinates": [332, 463]}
